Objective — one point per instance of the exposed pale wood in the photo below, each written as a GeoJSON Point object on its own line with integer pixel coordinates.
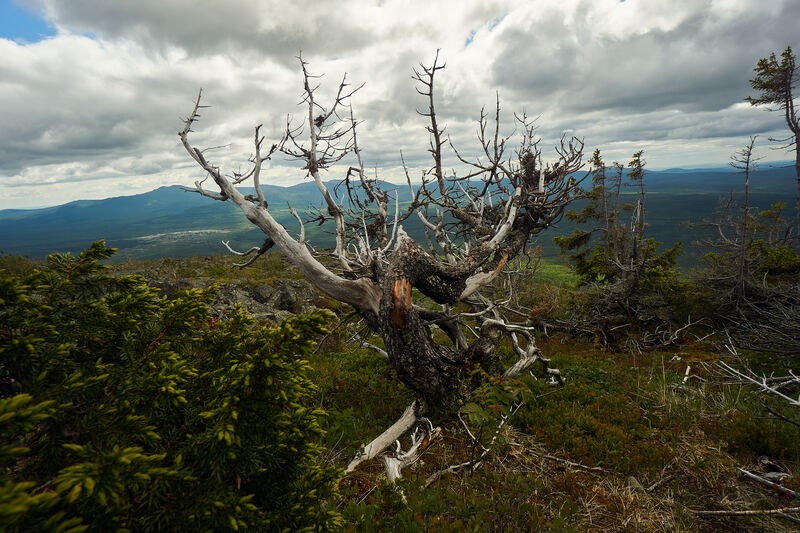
{"type": "Point", "coordinates": [750, 512]}
{"type": "Point", "coordinates": [774, 486]}
{"type": "Point", "coordinates": [387, 438]}
{"type": "Point", "coordinates": [567, 462]}
{"type": "Point", "coordinates": [420, 442]}
{"type": "Point", "coordinates": [767, 385]}
{"type": "Point", "coordinates": [361, 293]}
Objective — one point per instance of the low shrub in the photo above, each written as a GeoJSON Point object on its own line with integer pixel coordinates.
{"type": "Point", "coordinates": [123, 409]}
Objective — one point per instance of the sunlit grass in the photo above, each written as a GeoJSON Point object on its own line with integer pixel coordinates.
{"type": "Point", "coordinates": [551, 273]}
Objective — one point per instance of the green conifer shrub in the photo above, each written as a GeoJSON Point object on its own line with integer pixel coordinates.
{"type": "Point", "coordinates": [125, 410]}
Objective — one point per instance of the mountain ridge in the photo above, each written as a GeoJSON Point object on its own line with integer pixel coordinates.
{"type": "Point", "coordinates": [173, 221]}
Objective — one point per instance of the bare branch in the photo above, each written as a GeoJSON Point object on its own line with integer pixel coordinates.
{"type": "Point", "coordinates": [257, 250]}
{"type": "Point", "coordinates": [474, 463]}
{"type": "Point", "coordinates": [421, 440]}
{"type": "Point", "coordinates": [750, 512]}
{"type": "Point", "coordinates": [361, 293]}
{"type": "Point", "coordinates": [387, 438]}
{"type": "Point", "coordinates": [774, 486]}
{"type": "Point", "coordinates": [761, 383]}
{"type": "Point", "coordinates": [426, 78]}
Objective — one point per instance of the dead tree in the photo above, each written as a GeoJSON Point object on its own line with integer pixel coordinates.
{"type": "Point", "coordinates": [476, 221]}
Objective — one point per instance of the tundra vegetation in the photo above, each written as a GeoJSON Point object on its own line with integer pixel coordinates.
{"type": "Point", "coordinates": [137, 397]}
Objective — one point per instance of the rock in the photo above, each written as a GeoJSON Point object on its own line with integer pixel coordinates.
{"type": "Point", "coordinates": [633, 483]}
{"type": "Point", "coordinates": [273, 304]}
{"type": "Point", "coordinates": [262, 293]}
{"type": "Point", "coordinates": [292, 295]}
{"type": "Point", "coordinates": [170, 287]}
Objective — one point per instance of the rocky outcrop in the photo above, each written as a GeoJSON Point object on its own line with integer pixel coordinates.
{"type": "Point", "coordinates": [273, 303]}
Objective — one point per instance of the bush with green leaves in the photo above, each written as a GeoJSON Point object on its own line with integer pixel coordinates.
{"type": "Point", "coordinates": [123, 409]}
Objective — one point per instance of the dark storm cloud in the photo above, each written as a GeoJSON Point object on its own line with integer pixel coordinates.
{"type": "Point", "coordinates": [100, 103]}
{"type": "Point", "coordinates": [273, 28]}
{"type": "Point", "coordinates": [701, 63]}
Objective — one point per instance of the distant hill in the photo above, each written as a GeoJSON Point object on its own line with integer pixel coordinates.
{"type": "Point", "coordinates": [166, 222]}
{"type": "Point", "coordinates": [171, 222]}
{"type": "Point", "coordinates": [678, 196]}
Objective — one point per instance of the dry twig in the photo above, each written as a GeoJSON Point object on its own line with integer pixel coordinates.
{"type": "Point", "coordinates": [749, 512]}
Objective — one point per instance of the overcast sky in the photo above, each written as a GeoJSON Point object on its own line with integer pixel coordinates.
{"type": "Point", "coordinates": [92, 91]}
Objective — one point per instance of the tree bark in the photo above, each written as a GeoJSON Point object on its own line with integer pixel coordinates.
{"type": "Point", "coordinates": [432, 370]}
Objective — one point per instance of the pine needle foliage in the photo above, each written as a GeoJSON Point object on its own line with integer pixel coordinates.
{"type": "Point", "coordinates": [125, 410]}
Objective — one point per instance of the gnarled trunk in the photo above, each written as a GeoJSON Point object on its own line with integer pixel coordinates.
{"type": "Point", "coordinates": [433, 370]}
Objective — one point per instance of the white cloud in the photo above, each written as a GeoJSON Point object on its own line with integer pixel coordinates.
{"type": "Point", "coordinates": [94, 111]}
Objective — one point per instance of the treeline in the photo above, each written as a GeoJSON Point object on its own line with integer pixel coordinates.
{"type": "Point", "coordinates": [746, 284]}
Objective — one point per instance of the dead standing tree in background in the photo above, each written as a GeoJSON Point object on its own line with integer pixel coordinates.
{"type": "Point", "coordinates": [479, 221]}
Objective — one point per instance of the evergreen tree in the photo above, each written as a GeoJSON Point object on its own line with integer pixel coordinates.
{"type": "Point", "coordinates": [748, 285]}
{"type": "Point", "coordinates": [600, 213]}
{"type": "Point", "coordinates": [639, 219]}
{"type": "Point", "coordinates": [633, 285]}
{"type": "Point", "coordinates": [776, 81]}
{"type": "Point", "coordinates": [609, 250]}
